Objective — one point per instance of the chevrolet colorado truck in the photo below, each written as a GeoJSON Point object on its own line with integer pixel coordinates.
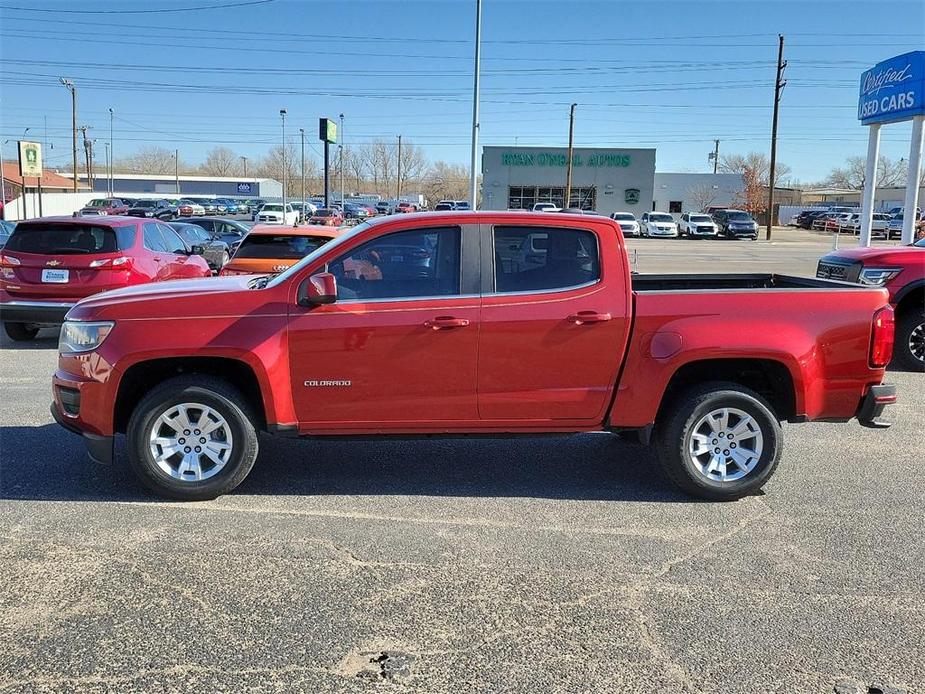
{"type": "Point", "coordinates": [901, 271]}
{"type": "Point", "coordinates": [488, 323]}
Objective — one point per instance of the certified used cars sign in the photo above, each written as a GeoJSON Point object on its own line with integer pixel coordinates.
{"type": "Point", "coordinates": [893, 90]}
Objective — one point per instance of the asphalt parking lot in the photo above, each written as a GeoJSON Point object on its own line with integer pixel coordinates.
{"type": "Point", "coordinates": [531, 564]}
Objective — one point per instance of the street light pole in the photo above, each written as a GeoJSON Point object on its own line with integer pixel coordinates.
{"type": "Point", "coordinates": [112, 155]}
{"type": "Point", "coordinates": [70, 87]}
{"type": "Point", "coordinates": [568, 171]}
{"type": "Point", "coordinates": [473, 193]}
{"type": "Point", "coordinates": [342, 152]}
{"type": "Point", "coordinates": [176, 169]}
{"type": "Point", "coordinates": [398, 186]}
{"type": "Point", "coordinates": [282, 115]}
{"type": "Point", "coordinates": [302, 133]}
{"type": "Point", "coordinates": [109, 186]}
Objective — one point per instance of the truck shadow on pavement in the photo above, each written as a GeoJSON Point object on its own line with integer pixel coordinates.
{"type": "Point", "coordinates": [47, 463]}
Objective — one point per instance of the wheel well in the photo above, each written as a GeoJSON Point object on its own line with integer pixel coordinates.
{"type": "Point", "coordinates": [770, 379]}
{"type": "Point", "coordinates": [914, 298]}
{"type": "Point", "coordinates": [141, 377]}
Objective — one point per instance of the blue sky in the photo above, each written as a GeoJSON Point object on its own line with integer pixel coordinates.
{"type": "Point", "coordinates": [673, 75]}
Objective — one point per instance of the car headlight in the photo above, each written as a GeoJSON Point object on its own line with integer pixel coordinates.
{"type": "Point", "coordinates": [79, 336]}
{"type": "Point", "coordinates": [878, 276]}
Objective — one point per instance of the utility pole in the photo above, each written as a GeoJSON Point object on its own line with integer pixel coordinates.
{"type": "Point", "coordinates": [473, 176]}
{"type": "Point", "coordinates": [176, 169]}
{"type": "Point", "coordinates": [714, 155]}
{"type": "Point", "coordinates": [244, 159]}
{"type": "Point", "coordinates": [568, 170]}
{"type": "Point", "coordinates": [398, 192]}
{"type": "Point", "coordinates": [342, 151]}
{"type": "Point", "coordinates": [302, 133]}
{"type": "Point", "coordinates": [112, 156]}
{"type": "Point", "coordinates": [778, 88]}
{"type": "Point", "coordinates": [70, 87]}
{"type": "Point", "coordinates": [109, 181]}
{"type": "Point", "coordinates": [83, 130]}
{"type": "Point", "coordinates": [282, 115]}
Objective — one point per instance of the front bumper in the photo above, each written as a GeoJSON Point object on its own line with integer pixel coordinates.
{"type": "Point", "coordinates": [873, 404]}
{"type": "Point", "coordinates": [99, 448]}
{"type": "Point", "coordinates": [34, 312]}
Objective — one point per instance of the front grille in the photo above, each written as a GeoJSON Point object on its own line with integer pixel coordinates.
{"type": "Point", "coordinates": [704, 230]}
{"type": "Point", "coordinates": [70, 400]}
{"type": "Point", "coordinates": [836, 269]}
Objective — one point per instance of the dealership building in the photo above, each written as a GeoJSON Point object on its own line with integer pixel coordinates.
{"type": "Point", "coordinates": [605, 180]}
{"type": "Point", "coordinates": [138, 185]}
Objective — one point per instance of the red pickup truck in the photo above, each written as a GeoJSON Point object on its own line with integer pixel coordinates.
{"type": "Point", "coordinates": [901, 271]}
{"type": "Point", "coordinates": [492, 323]}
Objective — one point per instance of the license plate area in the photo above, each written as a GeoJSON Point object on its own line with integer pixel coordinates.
{"type": "Point", "coordinates": [55, 276]}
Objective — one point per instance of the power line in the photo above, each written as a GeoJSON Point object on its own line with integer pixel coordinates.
{"type": "Point", "coordinates": [165, 10]}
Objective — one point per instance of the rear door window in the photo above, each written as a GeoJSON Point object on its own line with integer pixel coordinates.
{"type": "Point", "coordinates": [69, 239]}
{"type": "Point", "coordinates": [542, 259]}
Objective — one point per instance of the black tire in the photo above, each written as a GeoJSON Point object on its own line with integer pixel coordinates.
{"type": "Point", "coordinates": [676, 427]}
{"type": "Point", "coordinates": [215, 393]}
{"type": "Point", "coordinates": [20, 332]}
{"type": "Point", "coordinates": [909, 322]}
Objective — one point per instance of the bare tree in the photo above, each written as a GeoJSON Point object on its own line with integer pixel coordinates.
{"type": "Point", "coordinates": [756, 165]}
{"type": "Point", "coordinates": [271, 166]}
{"type": "Point", "coordinates": [444, 181]}
{"type": "Point", "coordinates": [220, 161]}
{"type": "Point", "coordinates": [890, 173]}
{"type": "Point", "coordinates": [413, 163]}
{"type": "Point", "coordinates": [150, 160]}
{"type": "Point", "coordinates": [702, 196]}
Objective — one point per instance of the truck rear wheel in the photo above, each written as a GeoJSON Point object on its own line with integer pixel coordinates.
{"type": "Point", "coordinates": [719, 441]}
{"type": "Point", "coordinates": [192, 438]}
{"type": "Point", "coordinates": [20, 332]}
{"type": "Point", "coordinates": [909, 350]}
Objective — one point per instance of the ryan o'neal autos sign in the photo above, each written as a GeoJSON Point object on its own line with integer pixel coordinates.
{"type": "Point", "coordinates": [893, 90]}
{"type": "Point", "coordinates": [559, 159]}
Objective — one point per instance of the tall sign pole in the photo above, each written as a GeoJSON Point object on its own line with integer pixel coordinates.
{"type": "Point", "coordinates": [327, 133]}
{"type": "Point", "coordinates": [893, 91]}
{"type": "Point", "coordinates": [473, 175]}
{"type": "Point", "coordinates": [568, 165]}
{"type": "Point", "coordinates": [343, 151]}
{"type": "Point", "coordinates": [778, 87]}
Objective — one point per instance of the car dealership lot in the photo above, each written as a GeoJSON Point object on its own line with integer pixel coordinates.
{"type": "Point", "coordinates": [528, 564]}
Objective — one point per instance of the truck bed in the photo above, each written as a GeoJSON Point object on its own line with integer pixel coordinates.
{"type": "Point", "coordinates": [710, 282]}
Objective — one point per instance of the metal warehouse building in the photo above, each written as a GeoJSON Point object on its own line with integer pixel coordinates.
{"type": "Point", "coordinates": [222, 186]}
{"type": "Point", "coordinates": [605, 180]}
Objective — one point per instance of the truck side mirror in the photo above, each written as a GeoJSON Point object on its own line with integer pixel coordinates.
{"type": "Point", "coordinates": [320, 288]}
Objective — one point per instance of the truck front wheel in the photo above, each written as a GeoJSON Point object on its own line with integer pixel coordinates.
{"type": "Point", "coordinates": [192, 438]}
{"type": "Point", "coordinates": [719, 441]}
{"type": "Point", "coordinates": [909, 351]}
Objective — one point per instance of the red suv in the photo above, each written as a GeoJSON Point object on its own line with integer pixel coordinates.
{"type": "Point", "coordinates": [899, 270]}
{"type": "Point", "coordinates": [49, 264]}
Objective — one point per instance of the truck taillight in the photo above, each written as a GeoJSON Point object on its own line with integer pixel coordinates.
{"type": "Point", "coordinates": [881, 343]}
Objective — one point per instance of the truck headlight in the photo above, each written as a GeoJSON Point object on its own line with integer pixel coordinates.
{"type": "Point", "coordinates": [79, 336]}
{"type": "Point", "coordinates": [878, 276]}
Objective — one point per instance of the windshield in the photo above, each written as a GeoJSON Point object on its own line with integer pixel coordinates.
{"type": "Point", "coordinates": [282, 246]}
{"type": "Point", "coordinates": [146, 203]}
{"type": "Point", "coordinates": [740, 216]}
{"type": "Point", "coordinates": [284, 276]}
{"type": "Point", "coordinates": [272, 208]}
{"type": "Point", "coordinates": [661, 218]}
{"type": "Point", "coordinates": [325, 213]}
{"type": "Point", "coordinates": [624, 217]}
{"type": "Point", "coordinates": [70, 239]}
{"type": "Point", "coordinates": [98, 203]}
{"type": "Point", "coordinates": [700, 218]}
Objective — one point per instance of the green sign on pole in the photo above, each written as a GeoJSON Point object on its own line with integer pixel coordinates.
{"type": "Point", "coordinates": [327, 130]}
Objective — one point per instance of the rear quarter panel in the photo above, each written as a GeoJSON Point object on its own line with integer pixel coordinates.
{"type": "Point", "coordinates": [822, 337]}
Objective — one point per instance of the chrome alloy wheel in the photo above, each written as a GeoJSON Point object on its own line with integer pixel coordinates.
{"type": "Point", "coordinates": [191, 442]}
{"type": "Point", "coordinates": [726, 444]}
{"type": "Point", "coordinates": [917, 342]}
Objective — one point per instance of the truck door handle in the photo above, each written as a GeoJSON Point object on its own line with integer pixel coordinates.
{"type": "Point", "coordinates": [583, 317]}
{"type": "Point", "coordinates": [446, 322]}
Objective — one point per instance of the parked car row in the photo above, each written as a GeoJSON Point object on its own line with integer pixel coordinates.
{"type": "Point", "coordinates": [848, 221]}
{"type": "Point", "coordinates": [732, 224]}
